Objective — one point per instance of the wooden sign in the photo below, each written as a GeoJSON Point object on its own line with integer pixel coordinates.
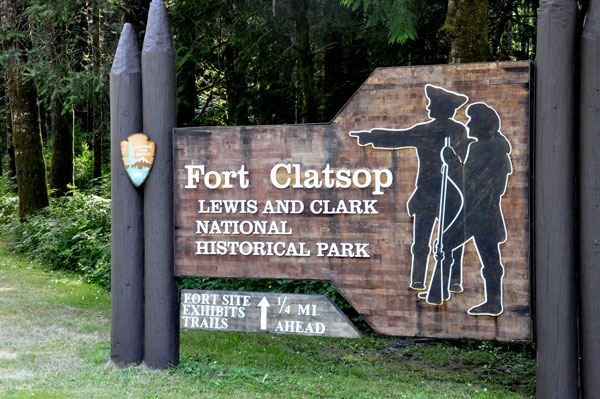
{"type": "Point", "coordinates": [137, 153]}
{"type": "Point", "coordinates": [359, 201]}
{"type": "Point", "coordinates": [313, 315]}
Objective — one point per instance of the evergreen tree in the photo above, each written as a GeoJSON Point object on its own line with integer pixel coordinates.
{"type": "Point", "coordinates": [27, 141]}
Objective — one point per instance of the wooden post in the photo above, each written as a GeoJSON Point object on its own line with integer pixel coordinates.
{"type": "Point", "coordinates": [161, 339]}
{"type": "Point", "coordinates": [127, 245]}
{"type": "Point", "coordinates": [589, 147]}
{"type": "Point", "coordinates": [555, 206]}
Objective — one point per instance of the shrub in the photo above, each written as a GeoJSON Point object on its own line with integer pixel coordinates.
{"type": "Point", "coordinates": [71, 234]}
{"type": "Point", "coordinates": [84, 167]}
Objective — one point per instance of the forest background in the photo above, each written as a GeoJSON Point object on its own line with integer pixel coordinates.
{"type": "Point", "coordinates": [239, 62]}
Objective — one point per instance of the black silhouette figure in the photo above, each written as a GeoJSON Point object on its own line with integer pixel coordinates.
{"type": "Point", "coordinates": [435, 293]}
{"type": "Point", "coordinates": [428, 138]}
{"type": "Point", "coordinates": [485, 172]}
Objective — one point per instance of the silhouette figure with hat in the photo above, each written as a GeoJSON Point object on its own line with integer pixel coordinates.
{"type": "Point", "coordinates": [485, 172]}
{"type": "Point", "coordinates": [428, 138]}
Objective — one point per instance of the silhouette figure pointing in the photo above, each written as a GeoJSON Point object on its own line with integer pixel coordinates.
{"type": "Point", "coordinates": [428, 139]}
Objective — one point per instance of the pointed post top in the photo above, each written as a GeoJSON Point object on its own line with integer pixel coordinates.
{"type": "Point", "coordinates": [127, 56]}
{"type": "Point", "coordinates": [158, 30]}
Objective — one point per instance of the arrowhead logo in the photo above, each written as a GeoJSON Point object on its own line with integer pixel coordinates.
{"type": "Point", "coordinates": [137, 153]}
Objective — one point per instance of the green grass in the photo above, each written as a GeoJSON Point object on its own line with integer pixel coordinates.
{"type": "Point", "coordinates": [54, 343]}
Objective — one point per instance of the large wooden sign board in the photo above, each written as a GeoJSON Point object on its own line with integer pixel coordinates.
{"type": "Point", "coordinates": [357, 201]}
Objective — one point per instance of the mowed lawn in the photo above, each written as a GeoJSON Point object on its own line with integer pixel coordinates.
{"type": "Point", "coordinates": [55, 343]}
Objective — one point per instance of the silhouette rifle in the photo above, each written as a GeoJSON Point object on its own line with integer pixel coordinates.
{"type": "Point", "coordinates": [435, 294]}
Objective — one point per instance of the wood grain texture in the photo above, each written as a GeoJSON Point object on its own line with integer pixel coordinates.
{"type": "Point", "coordinates": [127, 208]}
{"type": "Point", "coordinates": [378, 287]}
{"type": "Point", "coordinates": [161, 338]}
{"type": "Point", "coordinates": [555, 206]}
{"type": "Point", "coordinates": [589, 194]}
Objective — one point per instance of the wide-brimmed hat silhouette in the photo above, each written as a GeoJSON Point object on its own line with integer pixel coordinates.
{"type": "Point", "coordinates": [444, 100]}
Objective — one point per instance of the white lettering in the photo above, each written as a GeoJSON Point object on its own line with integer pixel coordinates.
{"type": "Point", "coordinates": [356, 178]}
{"type": "Point", "coordinates": [378, 181]}
{"type": "Point", "coordinates": [283, 175]}
{"type": "Point", "coordinates": [343, 207]}
{"type": "Point", "coordinates": [215, 179]}
{"type": "Point", "coordinates": [193, 174]}
{"type": "Point", "coordinates": [255, 248]}
{"type": "Point", "coordinates": [274, 172]}
{"type": "Point", "coordinates": [343, 250]}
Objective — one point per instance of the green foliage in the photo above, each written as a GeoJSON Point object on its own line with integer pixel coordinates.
{"type": "Point", "coordinates": [8, 187]}
{"type": "Point", "coordinates": [237, 62]}
{"type": "Point", "coordinates": [72, 234]}
{"type": "Point", "coordinates": [60, 33]}
{"type": "Point", "coordinates": [512, 29]}
{"type": "Point", "coordinates": [9, 207]}
{"type": "Point", "coordinates": [66, 49]}
{"type": "Point", "coordinates": [83, 167]}
{"type": "Point", "coordinates": [236, 59]}
{"type": "Point", "coordinates": [400, 16]}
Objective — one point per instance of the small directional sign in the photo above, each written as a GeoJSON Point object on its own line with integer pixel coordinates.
{"type": "Point", "coordinates": [273, 313]}
{"type": "Point", "coordinates": [264, 307]}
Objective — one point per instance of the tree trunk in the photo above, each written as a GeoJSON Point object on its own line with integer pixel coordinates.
{"type": "Point", "coordinates": [235, 86]}
{"type": "Point", "coordinates": [3, 147]}
{"type": "Point", "coordinates": [187, 96]}
{"type": "Point", "coordinates": [306, 67]}
{"type": "Point", "coordinates": [466, 30]}
{"type": "Point", "coordinates": [27, 141]}
{"type": "Point", "coordinates": [61, 172]}
{"type": "Point", "coordinates": [10, 148]}
{"type": "Point", "coordinates": [501, 22]}
{"type": "Point", "coordinates": [6, 126]}
{"type": "Point", "coordinates": [10, 151]}
{"type": "Point", "coordinates": [42, 117]}
{"type": "Point", "coordinates": [61, 121]}
{"type": "Point", "coordinates": [97, 107]}
{"type": "Point", "coordinates": [333, 78]}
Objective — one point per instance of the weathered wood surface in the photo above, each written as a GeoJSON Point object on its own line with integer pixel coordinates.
{"type": "Point", "coordinates": [273, 313]}
{"type": "Point", "coordinates": [127, 207]}
{"type": "Point", "coordinates": [378, 287]}
{"type": "Point", "coordinates": [161, 339]}
{"type": "Point", "coordinates": [589, 167]}
{"type": "Point", "coordinates": [555, 206]}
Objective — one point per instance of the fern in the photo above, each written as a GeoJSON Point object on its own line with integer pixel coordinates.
{"type": "Point", "coordinates": [400, 16]}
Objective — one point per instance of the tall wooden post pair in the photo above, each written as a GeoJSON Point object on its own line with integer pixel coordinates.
{"type": "Point", "coordinates": [144, 322]}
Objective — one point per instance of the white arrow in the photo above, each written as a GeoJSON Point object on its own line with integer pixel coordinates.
{"type": "Point", "coordinates": [263, 305]}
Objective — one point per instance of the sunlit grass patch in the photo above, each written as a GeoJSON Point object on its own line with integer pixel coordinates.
{"type": "Point", "coordinates": [55, 343]}
{"type": "Point", "coordinates": [95, 353]}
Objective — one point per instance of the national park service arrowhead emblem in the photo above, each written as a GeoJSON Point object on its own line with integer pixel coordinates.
{"type": "Point", "coordinates": [138, 156]}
